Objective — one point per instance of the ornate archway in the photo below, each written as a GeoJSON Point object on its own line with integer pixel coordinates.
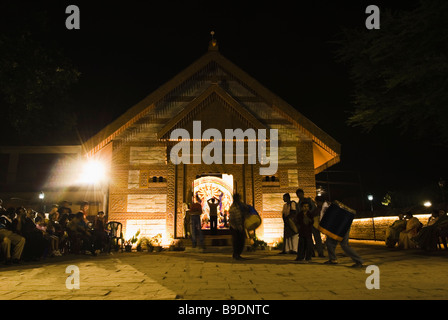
{"type": "Point", "coordinates": [220, 188]}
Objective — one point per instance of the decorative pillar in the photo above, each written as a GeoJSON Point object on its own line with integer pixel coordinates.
{"type": "Point", "coordinates": [305, 168]}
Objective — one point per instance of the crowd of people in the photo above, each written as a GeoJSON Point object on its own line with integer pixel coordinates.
{"type": "Point", "coordinates": [301, 233]}
{"type": "Point", "coordinates": [408, 232]}
{"type": "Point", "coordinates": [27, 235]}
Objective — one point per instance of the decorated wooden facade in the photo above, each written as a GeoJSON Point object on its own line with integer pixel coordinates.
{"type": "Point", "coordinates": [147, 192]}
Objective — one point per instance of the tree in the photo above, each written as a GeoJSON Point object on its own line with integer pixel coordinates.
{"type": "Point", "coordinates": [400, 72]}
{"type": "Point", "coordinates": [35, 78]}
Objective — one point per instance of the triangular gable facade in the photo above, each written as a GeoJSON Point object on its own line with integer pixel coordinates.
{"type": "Point", "coordinates": [148, 193]}
{"type": "Point", "coordinates": [213, 72]}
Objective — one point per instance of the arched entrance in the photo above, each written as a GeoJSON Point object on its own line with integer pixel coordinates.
{"type": "Point", "coordinates": [220, 187]}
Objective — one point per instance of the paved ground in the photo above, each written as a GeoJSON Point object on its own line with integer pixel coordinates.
{"type": "Point", "coordinates": [266, 275]}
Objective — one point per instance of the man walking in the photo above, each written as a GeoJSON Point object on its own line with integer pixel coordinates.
{"type": "Point", "coordinates": [349, 251]}
{"type": "Point", "coordinates": [321, 204]}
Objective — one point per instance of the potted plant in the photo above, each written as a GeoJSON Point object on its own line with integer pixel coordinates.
{"type": "Point", "coordinates": [258, 244]}
{"type": "Point", "coordinates": [145, 243]}
{"type": "Point", "coordinates": [142, 243]}
{"type": "Point", "coordinates": [156, 242]}
{"type": "Point", "coordinates": [177, 246]}
{"type": "Point", "coordinates": [129, 243]}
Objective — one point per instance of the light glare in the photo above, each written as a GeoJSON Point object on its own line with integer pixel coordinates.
{"type": "Point", "coordinates": [93, 172]}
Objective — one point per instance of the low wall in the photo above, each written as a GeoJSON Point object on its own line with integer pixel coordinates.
{"type": "Point", "coordinates": [363, 228]}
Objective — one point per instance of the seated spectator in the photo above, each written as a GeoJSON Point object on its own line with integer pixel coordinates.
{"type": "Point", "coordinates": [64, 208]}
{"type": "Point", "coordinates": [430, 236]}
{"type": "Point", "coordinates": [442, 228]}
{"type": "Point", "coordinates": [55, 225]}
{"type": "Point", "coordinates": [10, 239]}
{"type": "Point", "coordinates": [48, 231]}
{"type": "Point", "coordinates": [36, 246]}
{"type": "Point", "coordinates": [63, 220]}
{"type": "Point", "coordinates": [413, 226]}
{"type": "Point", "coordinates": [393, 232]}
{"type": "Point", "coordinates": [84, 208]}
{"type": "Point", "coordinates": [78, 231]}
{"type": "Point", "coordinates": [59, 225]}
{"type": "Point", "coordinates": [39, 217]}
{"type": "Point", "coordinates": [30, 213]}
{"type": "Point", "coordinates": [433, 218]}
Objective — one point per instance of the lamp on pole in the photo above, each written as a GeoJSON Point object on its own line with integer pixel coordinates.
{"type": "Point", "coordinates": [42, 197]}
{"type": "Point", "coordinates": [370, 198]}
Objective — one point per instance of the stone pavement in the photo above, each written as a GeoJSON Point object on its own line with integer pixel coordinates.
{"type": "Point", "coordinates": [213, 275]}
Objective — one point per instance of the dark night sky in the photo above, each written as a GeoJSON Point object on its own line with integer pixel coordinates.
{"type": "Point", "coordinates": [125, 50]}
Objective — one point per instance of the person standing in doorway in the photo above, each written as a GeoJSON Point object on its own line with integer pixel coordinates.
{"type": "Point", "coordinates": [213, 205]}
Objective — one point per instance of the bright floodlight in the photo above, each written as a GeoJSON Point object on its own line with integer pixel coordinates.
{"type": "Point", "coordinates": [93, 171]}
{"type": "Point", "coordinates": [370, 197]}
{"type": "Point", "coordinates": [427, 204]}
{"type": "Point", "coordinates": [41, 195]}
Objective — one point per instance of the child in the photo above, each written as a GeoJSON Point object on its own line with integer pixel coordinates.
{"type": "Point", "coordinates": [304, 220]}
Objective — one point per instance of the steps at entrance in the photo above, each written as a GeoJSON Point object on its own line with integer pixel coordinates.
{"type": "Point", "coordinates": [218, 241]}
{"type": "Point", "coordinates": [213, 241]}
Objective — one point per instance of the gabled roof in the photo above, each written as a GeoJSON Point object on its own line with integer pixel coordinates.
{"type": "Point", "coordinates": [326, 149]}
{"type": "Point", "coordinates": [221, 94]}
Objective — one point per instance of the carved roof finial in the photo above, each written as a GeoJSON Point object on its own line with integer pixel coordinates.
{"type": "Point", "coordinates": [213, 45]}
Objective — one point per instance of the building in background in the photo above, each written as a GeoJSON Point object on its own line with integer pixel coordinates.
{"type": "Point", "coordinates": [126, 170]}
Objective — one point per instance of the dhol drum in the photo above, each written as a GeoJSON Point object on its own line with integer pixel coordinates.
{"type": "Point", "coordinates": [253, 220]}
{"type": "Point", "coordinates": [336, 220]}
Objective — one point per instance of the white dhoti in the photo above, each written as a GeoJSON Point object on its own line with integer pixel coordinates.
{"type": "Point", "coordinates": [292, 243]}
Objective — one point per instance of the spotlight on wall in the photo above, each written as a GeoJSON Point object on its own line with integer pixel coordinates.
{"type": "Point", "coordinates": [92, 172]}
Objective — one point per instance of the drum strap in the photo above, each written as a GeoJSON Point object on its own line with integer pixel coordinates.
{"type": "Point", "coordinates": [330, 234]}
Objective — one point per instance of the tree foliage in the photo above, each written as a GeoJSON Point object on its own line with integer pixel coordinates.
{"type": "Point", "coordinates": [400, 72]}
{"type": "Point", "coordinates": [35, 79]}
